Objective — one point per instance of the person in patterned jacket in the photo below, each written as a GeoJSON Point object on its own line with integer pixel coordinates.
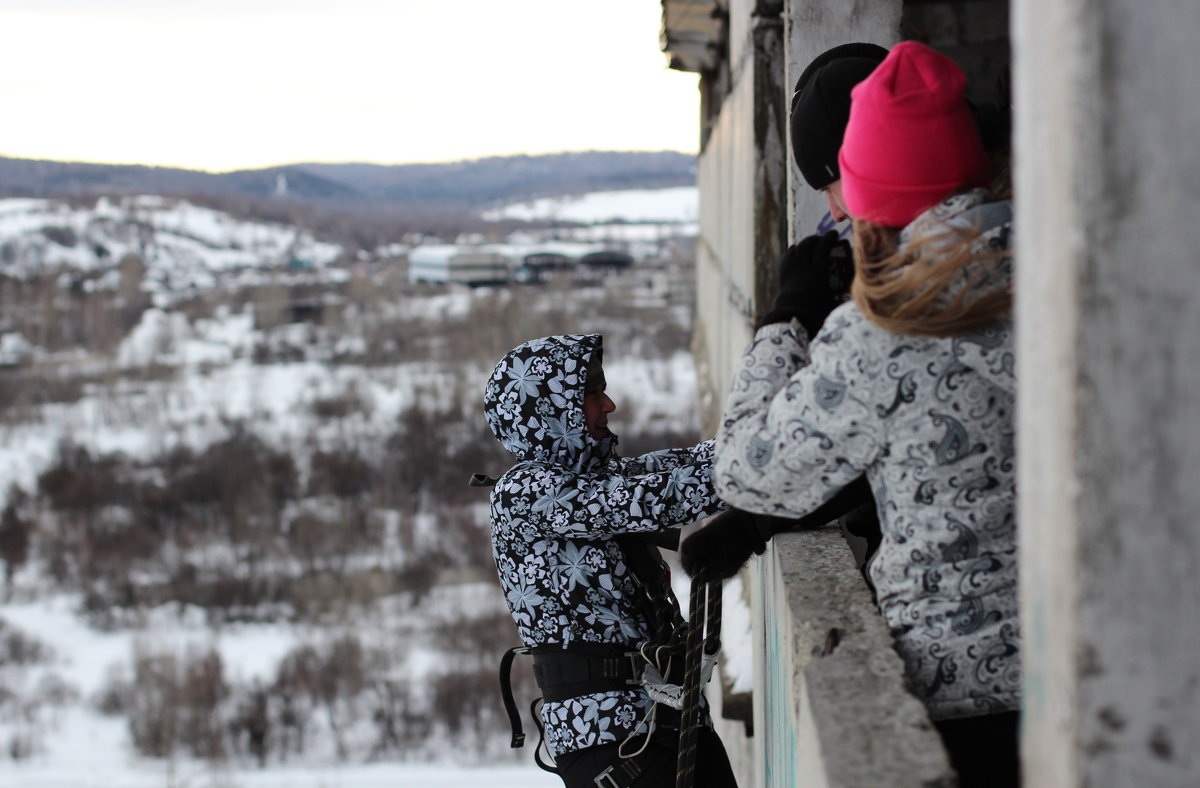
{"type": "Point", "coordinates": [571, 529]}
{"type": "Point", "coordinates": [913, 384]}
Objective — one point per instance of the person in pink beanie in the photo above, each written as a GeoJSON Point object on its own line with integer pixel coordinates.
{"type": "Point", "coordinates": [911, 384]}
{"type": "Point", "coordinates": [912, 138]}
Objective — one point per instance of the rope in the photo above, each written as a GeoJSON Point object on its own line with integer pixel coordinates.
{"type": "Point", "coordinates": [667, 627]}
{"type": "Point", "coordinates": [704, 637]}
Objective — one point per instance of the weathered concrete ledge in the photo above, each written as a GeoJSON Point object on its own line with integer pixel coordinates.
{"type": "Point", "coordinates": [831, 705]}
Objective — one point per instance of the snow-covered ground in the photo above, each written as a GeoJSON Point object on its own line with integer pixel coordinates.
{"type": "Point", "coordinates": [95, 759]}
{"type": "Point", "coordinates": [88, 750]}
{"type": "Point", "coordinates": [680, 204]}
{"type": "Point", "coordinates": [216, 381]}
{"type": "Point", "coordinates": [184, 247]}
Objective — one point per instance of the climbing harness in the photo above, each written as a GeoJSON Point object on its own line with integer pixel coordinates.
{"type": "Point", "coordinates": [672, 667]}
{"type": "Point", "coordinates": [568, 673]}
{"type": "Point", "coordinates": [673, 675]}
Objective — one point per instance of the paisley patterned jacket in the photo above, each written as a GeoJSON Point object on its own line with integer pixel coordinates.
{"type": "Point", "coordinates": [930, 422]}
{"type": "Point", "coordinates": [555, 516]}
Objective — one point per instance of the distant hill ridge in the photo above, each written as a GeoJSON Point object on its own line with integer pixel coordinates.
{"type": "Point", "coordinates": [468, 185]}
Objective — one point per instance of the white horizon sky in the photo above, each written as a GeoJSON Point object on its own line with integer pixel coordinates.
{"type": "Point", "coordinates": [234, 84]}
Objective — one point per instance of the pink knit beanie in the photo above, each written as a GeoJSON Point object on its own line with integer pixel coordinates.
{"type": "Point", "coordinates": [911, 140]}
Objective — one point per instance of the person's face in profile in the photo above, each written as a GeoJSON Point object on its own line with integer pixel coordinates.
{"type": "Point", "coordinates": [837, 206]}
{"type": "Point", "coordinates": [596, 406]}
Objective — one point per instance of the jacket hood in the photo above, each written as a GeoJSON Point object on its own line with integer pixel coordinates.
{"type": "Point", "coordinates": [989, 352]}
{"type": "Point", "coordinates": [533, 402]}
{"type": "Point", "coordinates": [968, 212]}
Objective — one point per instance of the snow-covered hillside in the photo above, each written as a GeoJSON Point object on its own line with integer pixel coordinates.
{"type": "Point", "coordinates": [183, 246]}
{"type": "Point", "coordinates": [265, 464]}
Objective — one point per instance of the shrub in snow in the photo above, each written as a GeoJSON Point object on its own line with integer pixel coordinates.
{"type": "Point", "coordinates": [16, 529]}
{"type": "Point", "coordinates": [176, 703]}
{"type": "Point", "coordinates": [29, 697]}
{"type": "Point", "coordinates": [20, 649]}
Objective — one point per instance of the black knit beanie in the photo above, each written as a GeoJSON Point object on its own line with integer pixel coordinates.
{"type": "Point", "coordinates": [821, 108]}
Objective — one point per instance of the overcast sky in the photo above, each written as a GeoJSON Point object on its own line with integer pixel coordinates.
{"type": "Point", "coordinates": [229, 84]}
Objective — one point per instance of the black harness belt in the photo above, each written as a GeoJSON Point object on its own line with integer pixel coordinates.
{"type": "Point", "coordinates": [568, 673]}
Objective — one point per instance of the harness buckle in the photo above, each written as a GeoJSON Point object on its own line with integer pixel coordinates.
{"type": "Point", "coordinates": [605, 779]}
{"type": "Point", "coordinates": [621, 774]}
{"type": "Point", "coordinates": [635, 678]}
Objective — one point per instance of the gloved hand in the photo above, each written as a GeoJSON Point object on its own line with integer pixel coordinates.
{"type": "Point", "coordinates": [814, 277]}
{"type": "Point", "coordinates": [720, 549]}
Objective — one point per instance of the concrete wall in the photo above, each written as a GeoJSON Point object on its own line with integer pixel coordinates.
{"type": "Point", "coordinates": [974, 33]}
{"type": "Point", "coordinates": [742, 207]}
{"type": "Point", "coordinates": [1108, 315]}
{"type": "Point", "coordinates": [835, 710]}
{"type": "Point", "coordinates": [742, 197]}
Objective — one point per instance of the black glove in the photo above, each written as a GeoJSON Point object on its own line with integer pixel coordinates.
{"type": "Point", "coordinates": [720, 549]}
{"type": "Point", "coordinates": [814, 277]}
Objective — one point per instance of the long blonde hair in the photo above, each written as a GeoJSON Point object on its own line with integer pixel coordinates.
{"type": "Point", "coordinates": [935, 286]}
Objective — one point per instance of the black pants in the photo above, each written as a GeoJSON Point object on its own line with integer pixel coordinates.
{"type": "Point", "coordinates": [985, 750]}
{"type": "Point", "coordinates": [579, 769]}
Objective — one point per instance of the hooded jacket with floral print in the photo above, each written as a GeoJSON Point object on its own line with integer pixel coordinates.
{"type": "Point", "coordinates": [556, 516]}
{"type": "Point", "coordinates": [930, 423]}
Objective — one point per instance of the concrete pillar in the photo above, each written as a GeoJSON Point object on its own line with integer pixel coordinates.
{"type": "Point", "coordinates": [1107, 103]}
{"type": "Point", "coordinates": [743, 203]}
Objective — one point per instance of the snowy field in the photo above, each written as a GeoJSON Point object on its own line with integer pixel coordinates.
{"type": "Point", "coordinates": [216, 381]}
{"type": "Point", "coordinates": [110, 770]}
{"type": "Point", "coordinates": [87, 750]}
{"type": "Point", "coordinates": [680, 204]}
